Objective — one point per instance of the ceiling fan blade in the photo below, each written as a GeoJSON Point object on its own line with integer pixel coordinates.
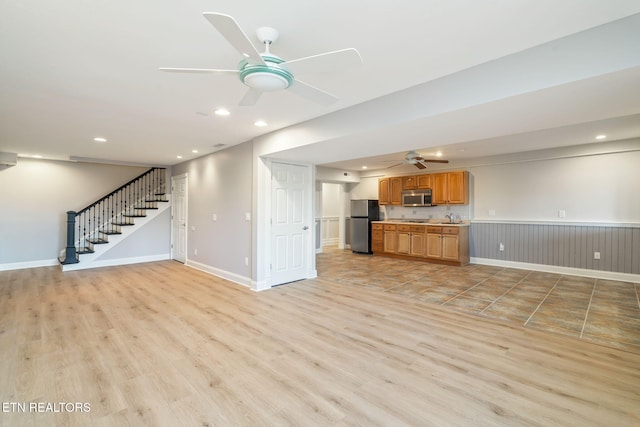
{"type": "Point", "coordinates": [250, 97]}
{"type": "Point", "coordinates": [229, 28]}
{"type": "Point", "coordinates": [434, 161]}
{"type": "Point", "coordinates": [312, 93]}
{"type": "Point", "coordinates": [329, 61]}
{"type": "Point", "coordinates": [398, 164]}
{"type": "Point", "coordinates": [419, 165]}
{"type": "Point", "coordinates": [198, 70]}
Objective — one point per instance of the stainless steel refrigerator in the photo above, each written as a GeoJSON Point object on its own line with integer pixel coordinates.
{"type": "Point", "coordinates": [362, 213]}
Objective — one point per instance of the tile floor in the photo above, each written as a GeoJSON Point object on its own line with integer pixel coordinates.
{"type": "Point", "coordinates": [603, 311]}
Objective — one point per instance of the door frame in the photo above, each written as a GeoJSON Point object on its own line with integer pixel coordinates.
{"type": "Point", "coordinates": [186, 216]}
{"type": "Point", "coordinates": [262, 231]}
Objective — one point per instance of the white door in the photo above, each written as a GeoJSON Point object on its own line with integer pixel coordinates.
{"type": "Point", "coordinates": [179, 217]}
{"type": "Point", "coordinates": [290, 222]}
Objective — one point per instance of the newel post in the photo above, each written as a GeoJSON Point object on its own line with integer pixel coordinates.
{"type": "Point", "coordinates": [70, 252]}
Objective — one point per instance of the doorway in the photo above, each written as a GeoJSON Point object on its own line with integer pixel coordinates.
{"type": "Point", "coordinates": [291, 218]}
{"type": "Point", "coordinates": [179, 190]}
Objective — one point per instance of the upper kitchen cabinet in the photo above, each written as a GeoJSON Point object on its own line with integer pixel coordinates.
{"type": "Point", "coordinates": [424, 181]}
{"type": "Point", "coordinates": [390, 191]}
{"type": "Point", "coordinates": [450, 188]}
{"type": "Point", "coordinates": [409, 183]}
{"type": "Point", "coordinates": [416, 182]}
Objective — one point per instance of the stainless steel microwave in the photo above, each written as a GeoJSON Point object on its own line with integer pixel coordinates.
{"type": "Point", "coordinates": [416, 197]}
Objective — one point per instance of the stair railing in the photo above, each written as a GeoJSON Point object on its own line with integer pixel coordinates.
{"type": "Point", "coordinates": [105, 216]}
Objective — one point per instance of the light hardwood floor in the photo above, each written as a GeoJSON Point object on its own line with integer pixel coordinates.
{"type": "Point", "coordinates": [163, 344]}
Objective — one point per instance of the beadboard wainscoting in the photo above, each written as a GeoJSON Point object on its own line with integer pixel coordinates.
{"type": "Point", "coordinates": [560, 245]}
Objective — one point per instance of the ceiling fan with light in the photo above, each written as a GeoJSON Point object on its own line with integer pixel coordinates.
{"type": "Point", "coordinates": [414, 158]}
{"type": "Point", "coordinates": [266, 72]}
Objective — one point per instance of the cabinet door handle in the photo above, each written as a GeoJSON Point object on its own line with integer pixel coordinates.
{"type": "Point", "coordinates": [305, 227]}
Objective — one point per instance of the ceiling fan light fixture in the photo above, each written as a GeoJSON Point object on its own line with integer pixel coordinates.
{"type": "Point", "coordinates": [266, 78]}
{"type": "Point", "coordinates": [266, 81]}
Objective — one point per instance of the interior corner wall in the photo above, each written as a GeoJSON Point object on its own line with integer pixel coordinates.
{"type": "Point", "coordinates": [35, 196]}
{"type": "Point", "coordinates": [220, 183]}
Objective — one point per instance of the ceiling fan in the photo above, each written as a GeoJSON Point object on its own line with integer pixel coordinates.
{"type": "Point", "coordinates": [266, 72]}
{"type": "Point", "coordinates": [413, 158]}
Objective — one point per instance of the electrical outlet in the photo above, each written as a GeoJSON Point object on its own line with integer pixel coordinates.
{"type": "Point", "coordinates": [246, 261]}
{"type": "Point", "coordinates": [195, 252]}
{"type": "Point", "coordinates": [596, 255]}
{"type": "Point", "coordinates": [214, 217]}
{"type": "Point", "coordinates": [501, 247]}
{"type": "Point", "coordinates": [562, 213]}
{"type": "Point", "coordinates": [492, 212]}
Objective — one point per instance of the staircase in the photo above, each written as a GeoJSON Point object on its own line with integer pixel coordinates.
{"type": "Point", "coordinates": [111, 220]}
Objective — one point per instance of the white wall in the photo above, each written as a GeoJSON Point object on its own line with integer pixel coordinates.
{"type": "Point", "coordinates": [330, 199]}
{"type": "Point", "coordinates": [598, 188]}
{"type": "Point", "coordinates": [221, 184]}
{"type": "Point", "coordinates": [35, 196]}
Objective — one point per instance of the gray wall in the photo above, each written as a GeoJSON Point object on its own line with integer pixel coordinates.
{"type": "Point", "coordinates": [153, 239]}
{"type": "Point", "coordinates": [34, 196]}
{"type": "Point", "coordinates": [562, 245]}
{"type": "Point", "coordinates": [221, 184]}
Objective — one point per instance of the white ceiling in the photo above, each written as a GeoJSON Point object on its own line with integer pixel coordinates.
{"type": "Point", "coordinates": [74, 70]}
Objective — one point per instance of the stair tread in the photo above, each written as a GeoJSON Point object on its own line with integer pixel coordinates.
{"type": "Point", "coordinates": [84, 250]}
{"type": "Point", "coordinates": [110, 232]}
{"type": "Point", "coordinates": [134, 216]}
{"type": "Point", "coordinates": [97, 241]}
{"type": "Point", "coordinates": [120, 224]}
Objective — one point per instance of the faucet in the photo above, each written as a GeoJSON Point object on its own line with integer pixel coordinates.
{"type": "Point", "coordinates": [450, 215]}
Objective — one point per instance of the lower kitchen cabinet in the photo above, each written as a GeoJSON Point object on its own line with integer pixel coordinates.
{"type": "Point", "coordinates": [377, 238]}
{"type": "Point", "coordinates": [404, 239]}
{"type": "Point", "coordinates": [435, 243]}
{"type": "Point", "coordinates": [445, 243]}
{"type": "Point", "coordinates": [390, 242]}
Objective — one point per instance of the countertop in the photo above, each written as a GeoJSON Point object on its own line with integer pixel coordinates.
{"type": "Point", "coordinates": [442, 222]}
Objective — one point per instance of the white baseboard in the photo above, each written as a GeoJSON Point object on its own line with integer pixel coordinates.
{"type": "Point", "coordinates": [260, 286]}
{"type": "Point", "coordinates": [598, 274]}
{"type": "Point", "coordinates": [29, 264]}
{"type": "Point", "coordinates": [223, 274]}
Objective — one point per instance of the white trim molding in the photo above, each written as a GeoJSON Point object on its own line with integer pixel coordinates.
{"type": "Point", "coordinates": [583, 272]}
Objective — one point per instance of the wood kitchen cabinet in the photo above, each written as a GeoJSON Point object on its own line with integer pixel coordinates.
{"type": "Point", "coordinates": [390, 191]}
{"type": "Point", "coordinates": [390, 238]}
{"type": "Point", "coordinates": [409, 183]}
{"type": "Point", "coordinates": [435, 243]}
{"type": "Point", "coordinates": [404, 239]}
{"type": "Point", "coordinates": [416, 182]}
{"type": "Point", "coordinates": [424, 181]}
{"type": "Point", "coordinates": [450, 188]}
{"type": "Point", "coordinates": [377, 238]}
{"type": "Point", "coordinates": [418, 241]}
{"type": "Point", "coordinates": [411, 240]}
{"type": "Point", "coordinates": [448, 244]}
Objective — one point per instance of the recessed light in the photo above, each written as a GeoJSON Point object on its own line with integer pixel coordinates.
{"type": "Point", "coordinates": [439, 154]}
{"type": "Point", "coordinates": [99, 139]}
{"type": "Point", "coordinates": [260, 123]}
{"type": "Point", "coordinates": [364, 167]}
{"type": "Point", "coordinates": [221, 112]}
{"type": "Point", "coordinates": [601, 136]}
{"type": "Point", "coordinates": [37, 156]}
{"type": "Point", "coordinates": [178, 157]}
{"type": "Point", "coordinates": [194, 151]}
